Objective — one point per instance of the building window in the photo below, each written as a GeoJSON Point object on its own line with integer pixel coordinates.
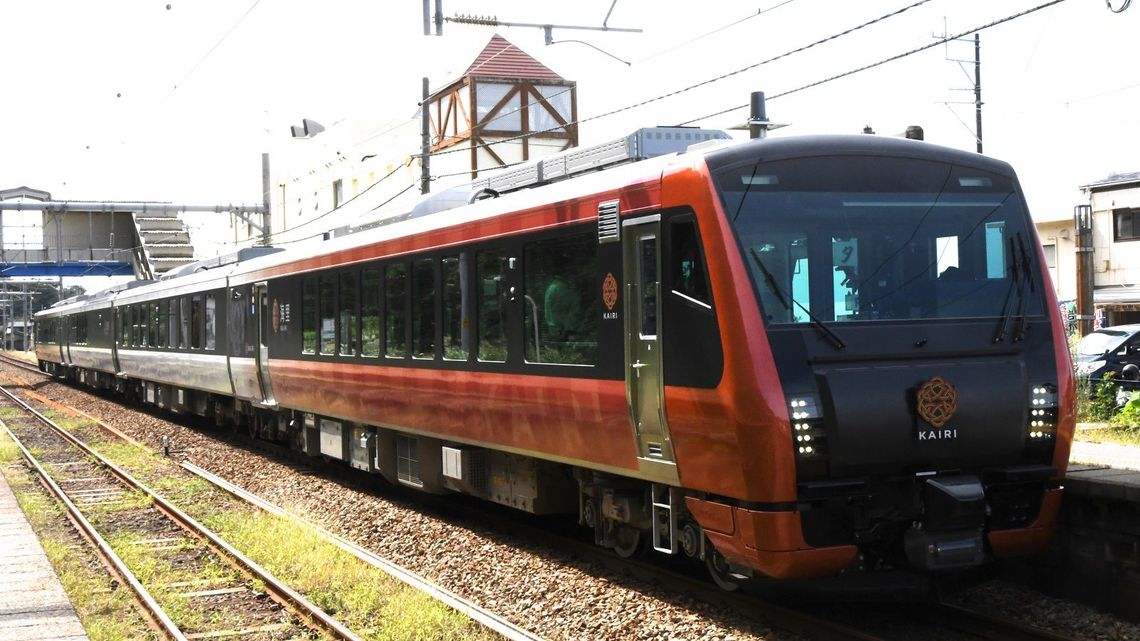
{"type": "Point", "coordinates": [1127, 224]}
{"type": "Point", "coordinates": [1050, 255]}
{"type": "Point", "coordinates": [338, 193]}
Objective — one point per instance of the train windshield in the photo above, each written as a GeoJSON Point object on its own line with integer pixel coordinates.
{"type": "Point", "coordinates": [857, 238]}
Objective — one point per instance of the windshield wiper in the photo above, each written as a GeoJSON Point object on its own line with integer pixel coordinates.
{"type": "Point", "coordinates": [1014, 282]}
{"type": "Point", "coordinates": [1027, 275]}
{"type": "Point", "coordinates": [771, 282]}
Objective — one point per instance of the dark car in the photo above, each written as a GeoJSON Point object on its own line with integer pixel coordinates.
{"type": "Point", "coordinates": [1108, 350]}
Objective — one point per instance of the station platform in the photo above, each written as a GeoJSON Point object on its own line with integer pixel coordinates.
{"type": "Point", "coordinates": [1104, 471]}
{"type": "Point", "coordinates": [33, 605]}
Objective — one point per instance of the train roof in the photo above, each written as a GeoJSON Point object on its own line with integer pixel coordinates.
{"type": "Point", "coordinates": [843, 145]}
{"type": "Point", "coordinates": [615, 178]}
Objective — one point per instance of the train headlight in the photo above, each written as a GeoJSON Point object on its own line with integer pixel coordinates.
{"type": "Point", "coordinates": [806, 417]}
{"type": "Point", "coordinates": [1042, 412]}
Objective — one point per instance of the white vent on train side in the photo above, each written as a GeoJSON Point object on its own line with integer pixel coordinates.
{"type": "Point", "coordinates": [609, 227]}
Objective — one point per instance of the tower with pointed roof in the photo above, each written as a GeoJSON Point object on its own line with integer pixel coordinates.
{"type": "Point", "coordinates": [505, 109]}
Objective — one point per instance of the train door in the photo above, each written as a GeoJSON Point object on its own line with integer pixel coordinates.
{"type": "Point", "coordinates": [63, 335]}
{"type": "Point", "coordinates": [116, 337]}
{"type": "Point", "coordinates": [644, 376]}
{"type": "Point", "coordinates": [260, 308]}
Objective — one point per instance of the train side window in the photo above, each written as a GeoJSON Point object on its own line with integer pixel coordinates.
{"type": "Point", "coordinates": [691, 351]}
{"type": "Point", "coordinates": [172, 323]}
{"type": "Point", "coordinates": [152, 323]}
{"type": "Point", "coordinates": [491, 266]}
{"type": "Point", "coordinates": [249, 322]}
{"type": "Point", "coordinates": [184, 322]}
{"type": "Point", "coordinates": [163, 321]}
{"type": "Point", "coordinates": [688, 269]}
{"type": "Point", "coordinates": [370, 312]}
{"type": "Point", "coordinates": [560, 302]}
{"type": "Point", "coordinates": [423, 308]}
{"type": "Point", "coordinates": [136, 326]}
{"type": "Point", "coordinates": [395, 311]}
{"type": "Point", "coordinates": [327, 302]}
{"type": "Point", "coordinates": [211, 322]}
{"type": "Point", "coordinates": [196, 324]}
{"type": "Point", "coordinates": [348, 326]}
{"type": "Point", "coordinates": [456, 308]}
{"type": "Point", "coordinates": [308, 315]}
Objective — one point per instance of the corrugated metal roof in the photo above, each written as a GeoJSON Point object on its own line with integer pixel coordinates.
{"type": "Point", "coordinates": [1116, 295]}
{"type": "Point", "coordinates": [1114, 181]}
{"type": "Point", "coordinates": [501, 59]}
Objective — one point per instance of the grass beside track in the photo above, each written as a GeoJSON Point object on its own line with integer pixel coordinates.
{"type": "Point", "coordinates": [364, 598]}
{"type": "Point", "coordinates": [105, 608]}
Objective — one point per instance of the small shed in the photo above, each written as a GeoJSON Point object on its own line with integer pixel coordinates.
{"type": "Point", "coordinates": [505, 109]}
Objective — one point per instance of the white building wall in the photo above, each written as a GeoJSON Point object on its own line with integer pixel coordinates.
{"type": "Point", "coordinates": [1115, 263]}
{"type": "Point", "coordinates": [1061, 254]}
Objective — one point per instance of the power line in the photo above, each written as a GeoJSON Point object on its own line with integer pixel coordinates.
{"type": "Point", "coordinates": [884, 61]}
{"type": "Point", "coordinates": [345, 203]}
{"type": "Point", "coordinates": [690, 41]}
{"type": "Point", "coordinates": [635, 105]}
{"type": "Point", "coordinates": [207, 54]}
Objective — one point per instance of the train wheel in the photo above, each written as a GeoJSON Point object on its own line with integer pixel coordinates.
{"type": "Point", "coordinates": [627, 541]}
{"type": "Point", "coordinates": [718, 570]}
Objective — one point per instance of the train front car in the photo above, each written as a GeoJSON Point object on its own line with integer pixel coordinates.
{"type": "Point", "coordinates": [895, 365]}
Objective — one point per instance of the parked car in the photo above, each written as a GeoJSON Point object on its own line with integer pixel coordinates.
{"type": "Point", "coordinates": [1108, 350]}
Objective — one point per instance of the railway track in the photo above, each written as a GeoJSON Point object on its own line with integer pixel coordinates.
{"type": "Point", "coordinates": [958, 622]}
{"type": "Point", "coordinates": [104, 501]}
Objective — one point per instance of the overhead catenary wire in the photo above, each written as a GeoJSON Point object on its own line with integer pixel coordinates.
{"type": "Point", "coordinates": [341, 206]}
{"type": "Point", "coordinates": [747, 68]}
{"type": "Point", "coordinates": [691, 87]}
{"type": "Point", "coordinates": [209, 52]}
{"type": "Point", "coordinates": [468, 148]}
{"type": "Point", "coordinates": [884, 61]}
{"type": "Point", "coordinates": [679, 45]}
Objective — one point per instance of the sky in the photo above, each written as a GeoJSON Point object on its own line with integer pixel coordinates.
{"type": "Point", "coordinates": [175, 101]}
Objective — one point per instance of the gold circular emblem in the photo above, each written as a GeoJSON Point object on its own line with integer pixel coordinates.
{"type": "Point", "coordinates": [937, 401]}
{"type": "Point", "coordinates": [609, 291]}
{"type": "Point", "coordinates": [276, 318]}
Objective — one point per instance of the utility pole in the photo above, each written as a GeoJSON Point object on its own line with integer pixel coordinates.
{"type": "Point", "coordinates": [1082, 221]}
{"type": "Point", "coordinates": [976, 81]}
{"type": "Point", "coordinates": [978, 89]}
{"type": "Point", "coordinates": [758, 116]}
{"type": "Point", "coordinates": [266, 235]}
{"type": "Point", "coordinates": [425, 142]}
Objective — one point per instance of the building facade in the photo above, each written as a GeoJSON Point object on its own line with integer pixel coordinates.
{"type": "Point", "coordinates": [1115, 203]}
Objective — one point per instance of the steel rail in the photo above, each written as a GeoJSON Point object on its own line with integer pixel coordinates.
{"type": "Point", "coordinates": [153, 612]}
{"type": "Point", "coordinates": [770, 614]}
{"type": "Point", "coordinates": [11, 360]}
{"type": "Point", "coordinates": [976, 623]}
{"type": "Point", "coordinates": [994, 628]}
{"type": "Point", "coordinates": [281, 592]}
{"type": "Point", "coordinates": [487, 619]}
